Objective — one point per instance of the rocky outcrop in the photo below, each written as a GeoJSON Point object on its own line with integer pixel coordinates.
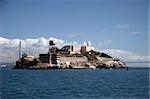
{"type": "Point", "coordinates": [25, 63]}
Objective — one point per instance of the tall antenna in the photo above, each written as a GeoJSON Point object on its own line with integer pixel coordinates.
{"type": "Point", "coordinates": [20, 50]}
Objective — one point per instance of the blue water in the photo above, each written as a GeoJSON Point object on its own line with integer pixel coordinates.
{"type": "Point", "coordinates": [83, 84]}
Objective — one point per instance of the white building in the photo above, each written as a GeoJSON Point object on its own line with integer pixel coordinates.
{"type": "Point", "coordinates": [72, 49]}
{"type": "Point", "coordinates": [87, 48]}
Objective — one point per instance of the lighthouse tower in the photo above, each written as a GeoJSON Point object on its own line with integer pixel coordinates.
{"type": "Point", "coordinates": [53, 50]}
{"type": "Point", "coordinates": [51, 44]}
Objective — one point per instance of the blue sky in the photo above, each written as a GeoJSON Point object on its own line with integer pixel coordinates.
{"type": "Point", "coordinates": [108, 24]}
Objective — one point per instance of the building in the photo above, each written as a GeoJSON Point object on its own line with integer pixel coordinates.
{"type": "Point", "coordinates": [86, 48]}
{"type": "Point", "coordinates": [28, 57]}
{"type": "Point", "coordinates": [54, 54]}
{"type": "Point", "coordinates": [72, 49]}
{"type": "Point", "coordinates": [49, 58]}
{"type": "Point", "coordinates": [44, 58]}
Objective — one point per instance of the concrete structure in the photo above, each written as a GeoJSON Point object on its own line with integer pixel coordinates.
{"type": "Point", "coordinates": [66, 62]}
{"type": "Point", "coordinates": [28, 57]}
{"type": "Point", "coordinates": [89, 48]}
{"type": "Point", "coordinates": [86, 48]}
{"type": "Point", "coordinates": [52, 56]}
{"type": "Point", "coordinates": [73, 59]}
{"type": "Point", "coordinates": [72, 49]}
{"type": "Point", "coordinates": [49, 58]}
{"type": "Point", "coordinates": [44, 58]}
{"type": "Point", "coordinates": [61, 56]}
{"type": "Point", "coordinates": [56, 56]}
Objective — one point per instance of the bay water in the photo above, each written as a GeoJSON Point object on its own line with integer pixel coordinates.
{"type": "Point", "coordinates": [74, 83]}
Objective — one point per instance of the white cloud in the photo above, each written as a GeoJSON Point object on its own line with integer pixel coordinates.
{"type": "Point", "coordinates": [8, 43]}
{"type": "Point", "coordinates": [105, 30]}
{"type": "Point", "coordinates": [71, 43]}
{"type": "Point", "coordinates": [9, 47]}
{"type": "Point", "coordinates": [123, 27]}
{"type": "Point", "coordinates": [77, 34]}
{"type": "Point", "coordinates": [87, 43]}
{"type": "Point", "coordinates": [58, 42]}
{"type": "Point", "coordinates": [135, 33]}
{"type": "Point", "coordinates": [83, 35]}
{"type": "Point", "coordinates": [100, 44]}
{"type": "Point", "coordinates": [105, 42]}
{"type": "Point", "coordinates": [126, 55]}
{"type": "Point", "coordinates": [71, 35]}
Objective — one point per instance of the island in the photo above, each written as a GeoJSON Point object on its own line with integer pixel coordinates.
{"type": "Point", "coordinates": [68, 57]}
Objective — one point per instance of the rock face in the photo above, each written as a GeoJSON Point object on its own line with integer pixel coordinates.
{"type": "Point", "coordinates": [91, 59]}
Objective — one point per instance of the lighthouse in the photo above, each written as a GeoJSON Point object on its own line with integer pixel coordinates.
{"type": "Point", "coordinates": [53, 53]}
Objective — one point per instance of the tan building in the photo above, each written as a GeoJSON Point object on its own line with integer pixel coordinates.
{"type": "Point", "coordinates": [54, 54]}
{"type": "Point", "coordinates": [72, 49]}
{"type": "Point", "coordinates": [86, 48]}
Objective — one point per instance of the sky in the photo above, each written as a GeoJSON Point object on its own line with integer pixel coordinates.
{"type": "Point", "coordinates": [116, 27]}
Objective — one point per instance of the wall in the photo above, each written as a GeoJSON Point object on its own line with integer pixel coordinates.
{"type": "Point", "coordinates": [72, 59]}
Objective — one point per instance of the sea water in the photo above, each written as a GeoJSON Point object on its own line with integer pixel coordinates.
{"type": "Point", "coordinates": [74, 83]}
